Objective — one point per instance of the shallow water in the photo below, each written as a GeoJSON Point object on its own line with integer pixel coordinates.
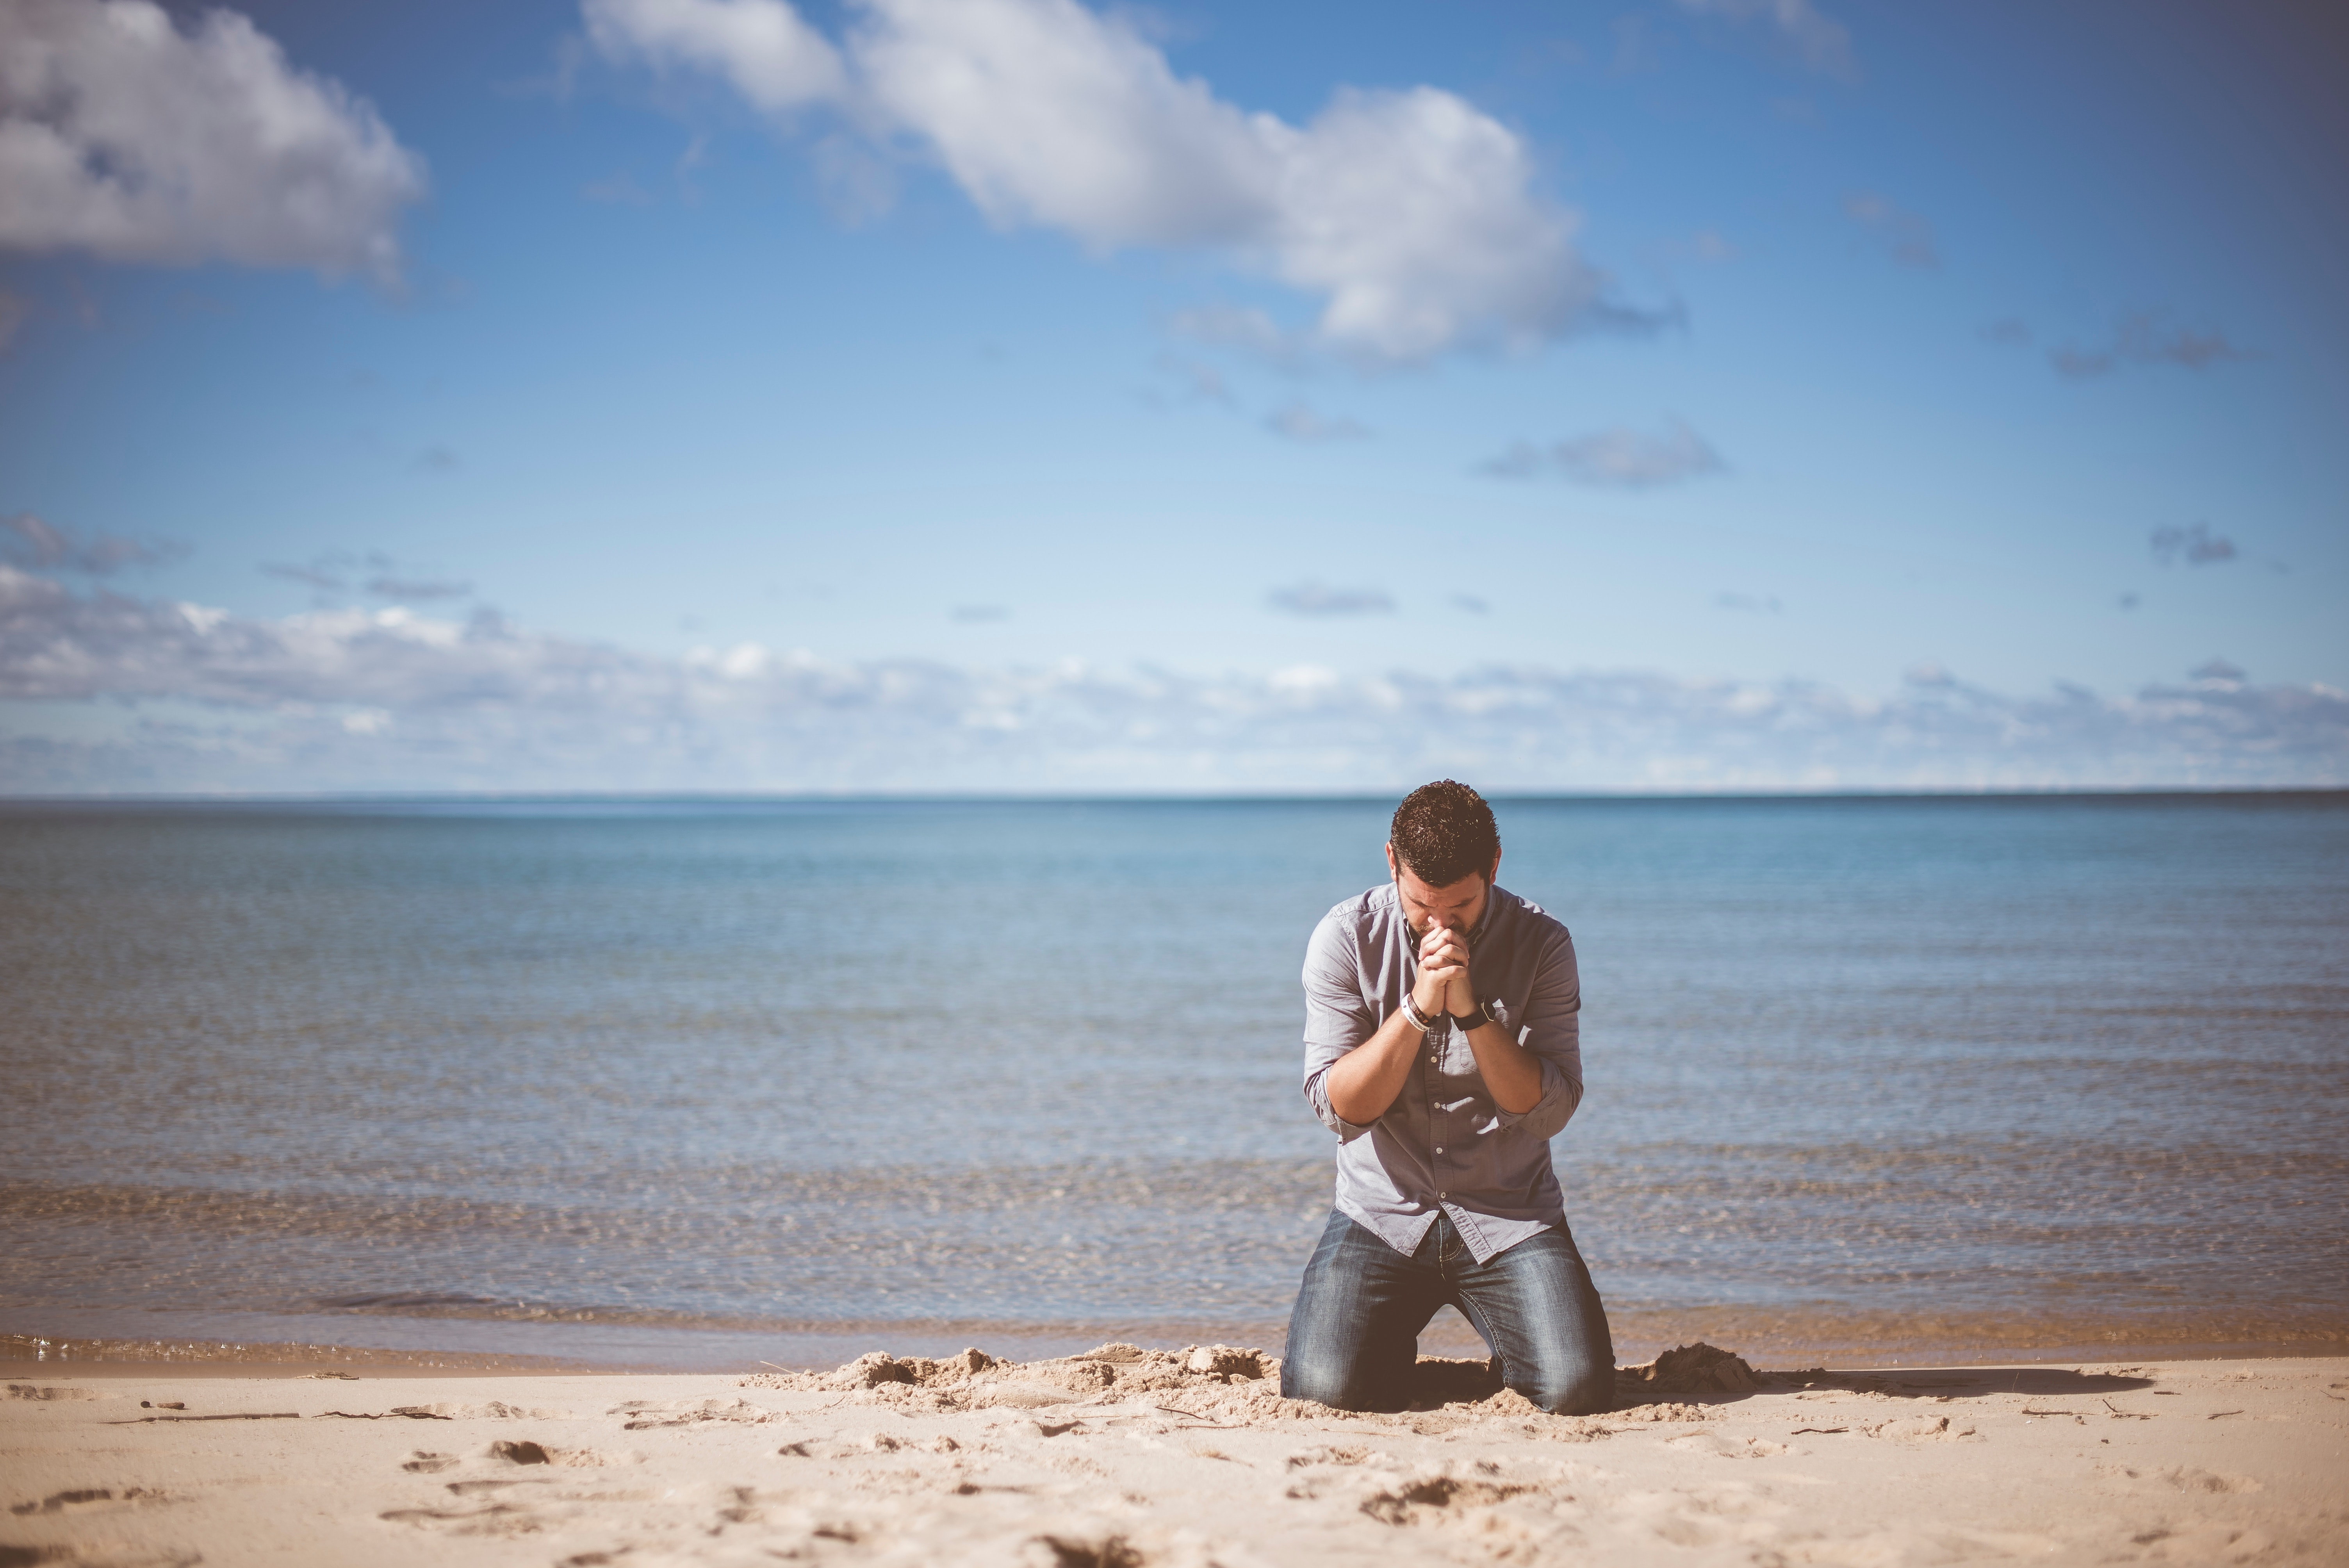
{"type": "Point", "coordinates": [697, 1083]}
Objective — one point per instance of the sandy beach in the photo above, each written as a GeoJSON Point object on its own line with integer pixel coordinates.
{"type": "Point", "coordinates": [1127, 1457]}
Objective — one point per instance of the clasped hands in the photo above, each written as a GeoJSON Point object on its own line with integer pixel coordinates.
{"type": "Point", "coordinates": [1442, 986]}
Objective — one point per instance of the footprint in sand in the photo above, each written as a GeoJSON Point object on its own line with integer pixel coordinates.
{"type": "Point", "coordinates": [424, 1461]}
{"type": "Point", "coordinates": [2185, 1478]}
{"type": "Point", "coordinates": [1429, 1499]}
{"type": "Point", "coordinates": [493, 1484]}
{"type": "Point", "coordinates": [80, 1497]}
{"type": "Point", "coordinates": [1079, 1551]}
{"type": "Point", "coordinates": [497, 1519]}
{"type": "Point", "coordinates": [2210, 1540]}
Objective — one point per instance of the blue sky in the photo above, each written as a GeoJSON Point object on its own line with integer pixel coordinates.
{"type": "Point", "coordinates": [662, 393]}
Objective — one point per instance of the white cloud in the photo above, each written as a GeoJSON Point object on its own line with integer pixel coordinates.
{"type": "Point", "coordinates": [123, 136]}
{"type": "Point", "coordinates": [1414, 213]}
{"type": "Point", "coordinates": [1411, 214]}
{"type": "Point", "coordinates": [1046, 113]}
{"type": "Point", "coordinates": [774, 59]}
{"type": "Point", "coordinates": [394, 700]}
{"type": "Point", "coordinates": [1621, 458]}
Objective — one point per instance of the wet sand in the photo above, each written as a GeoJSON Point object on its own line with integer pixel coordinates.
{"type": "Point", "coordinates": [1130, 1458]}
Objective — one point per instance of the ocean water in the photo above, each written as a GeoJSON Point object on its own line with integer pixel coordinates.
{"type": "Point", "coordinates": [701, 1084]}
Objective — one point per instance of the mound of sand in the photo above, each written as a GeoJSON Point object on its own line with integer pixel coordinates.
{"type": "Point", "coordinates": [1229, 1382]}
{"type": "Point", "coordinates": [1698, 1368]}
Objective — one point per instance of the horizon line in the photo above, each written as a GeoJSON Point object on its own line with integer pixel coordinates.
{"type": "Point", "coordinates": [778, 796]}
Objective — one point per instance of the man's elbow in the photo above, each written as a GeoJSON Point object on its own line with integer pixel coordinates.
{"type": "Point", "coordinates": [1557, 1108]}
{"type": "Point", "coordinates": [1329, 1104]}
{"type": "Point", "coordinates": [1522, 1103]}
{"type": "Point", "coordinates": [1536, 1091]}
{"type": "Point", "coordinates": [1552, 1107]}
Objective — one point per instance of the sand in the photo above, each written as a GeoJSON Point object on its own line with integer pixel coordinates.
{"type": "Point", "coordinates": [1127, 1458]}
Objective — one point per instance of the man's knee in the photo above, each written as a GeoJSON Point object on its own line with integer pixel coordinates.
{"type": "Point", "coordinates": [1581, 1387]}
{"type": "Point", "coordinates": [1342, 1372]}
{"type": "Point", "coordinates": [1319, 1378]}
{"type": "Point", "coordinates": [1337, 1371]}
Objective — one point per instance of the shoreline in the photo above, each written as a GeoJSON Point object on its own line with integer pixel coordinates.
{"type": "Point", "coordinates": [263, 1363]}
{"type": "Point", "coordinates": [1164, 1460]}
{"type": "Point", "coordinates": [812, 1346]}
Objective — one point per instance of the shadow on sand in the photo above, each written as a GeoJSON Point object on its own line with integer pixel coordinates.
{"type": "Point", "coordinates": [1706, 1374]}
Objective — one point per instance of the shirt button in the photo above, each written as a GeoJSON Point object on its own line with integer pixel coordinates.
{"type": "Point", "coordinates": [1438, 1149]}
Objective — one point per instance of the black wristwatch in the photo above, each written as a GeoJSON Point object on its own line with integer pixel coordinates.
{"type": "Point", "coordinates": [1483, 1016]}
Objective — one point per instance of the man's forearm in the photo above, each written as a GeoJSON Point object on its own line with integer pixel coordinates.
{"type": "Point", "coordinates": [1512, 1074]}
{"type": "Point", "coordinates": [1362, 1084]}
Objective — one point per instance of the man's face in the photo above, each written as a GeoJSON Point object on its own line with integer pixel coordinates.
{"type": "Point", "coordinates": [1458, 907]}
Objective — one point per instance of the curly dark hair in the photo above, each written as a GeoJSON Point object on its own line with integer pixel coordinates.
{"type": "Point", "coordinates": [1444, 832]}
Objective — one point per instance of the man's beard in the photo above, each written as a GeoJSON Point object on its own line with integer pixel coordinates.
{"type": "Point", "coordinates": [1418, 933]}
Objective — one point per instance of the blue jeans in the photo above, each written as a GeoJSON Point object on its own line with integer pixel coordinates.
{"type": "Point", "coordinates": [1353, 1337]}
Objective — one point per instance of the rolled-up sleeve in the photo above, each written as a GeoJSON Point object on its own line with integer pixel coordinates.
{"type": "Point", "coordinates": [1551, 1028]}
{"type": "Point", "coordinates": [1337, 1017]}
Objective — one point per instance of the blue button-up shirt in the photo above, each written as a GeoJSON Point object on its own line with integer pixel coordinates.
{"type": "Point", "coordinates": [1445, 1143]}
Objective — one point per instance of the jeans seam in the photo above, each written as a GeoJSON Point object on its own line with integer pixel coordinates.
{"type": "Point", "coordinates": [1476, 1321]}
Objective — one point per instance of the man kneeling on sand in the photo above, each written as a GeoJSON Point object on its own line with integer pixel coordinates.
{"type": "Point", "coordinates": [1442, 1045]}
